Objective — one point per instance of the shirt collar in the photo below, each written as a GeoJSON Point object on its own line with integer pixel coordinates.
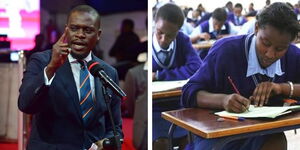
{"type": "Point", "coordinates": [73, 60]}
{"type": "Point", "coordinates": [156, 46]}
{"type": "Point", "coordinates": [254, 66]}
{"type": "Point", "coordinates": [211, 26]}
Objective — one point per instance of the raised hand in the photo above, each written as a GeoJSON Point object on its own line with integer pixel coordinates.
{"type": "Point", "coordinates": [60, 51]}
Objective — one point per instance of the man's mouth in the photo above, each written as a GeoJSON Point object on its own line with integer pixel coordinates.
{"type": "Point", "coordinates": [78, 45]}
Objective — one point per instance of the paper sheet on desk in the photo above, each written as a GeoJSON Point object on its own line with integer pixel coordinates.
{"type": "Point", "coordinates": [207, 42]}
{"type": "Point", "coordinates": [262, 112]}
{"type": "Point", "coordinates": [159, 86]}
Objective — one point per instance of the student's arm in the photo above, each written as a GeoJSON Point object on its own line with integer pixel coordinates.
{"type": "Point", "coordinates": [197, 34]}
{"type": "Point", "coordinates": [231, 103]}
{"type": "Point", "coordinates": [265, 90]}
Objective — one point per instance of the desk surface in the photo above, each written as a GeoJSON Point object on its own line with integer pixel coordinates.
{"type": "Point", "coordinates": [204, 44]}
{"type": "Point", "coordinates": [204, 123]}
{"type": "Point", "coordinates": [166, 94]}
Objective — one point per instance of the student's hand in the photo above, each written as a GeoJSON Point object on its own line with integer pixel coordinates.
{"type": "Point", "coordinates": [236, 103]}
{"type": "Point", "coordinates": [263, 92]}
{"type": "Point", "coordinates": [60, 51]}
{"type": "Point", "coordinates": [222, 36]}
{"type": "Point", "coordinates": [204, 36]}
{"type": "Point", "coordinates": [153, 76]}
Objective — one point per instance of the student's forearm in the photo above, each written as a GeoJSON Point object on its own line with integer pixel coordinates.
{"type": "Point", "coordinates": [210, 100]}
{"type": "Point", "coordinates": [286, 89]}
{"type": "Point", "coordinates": [194, 39]}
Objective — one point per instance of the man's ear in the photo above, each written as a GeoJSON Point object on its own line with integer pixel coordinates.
{"type": "Point", "coordinates": [98, 34]}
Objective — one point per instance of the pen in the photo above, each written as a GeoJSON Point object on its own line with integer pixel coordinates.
{"type": "Point", "coordinates": [233, 118]}
{"type": "Point", "coordinates": [234, 87]}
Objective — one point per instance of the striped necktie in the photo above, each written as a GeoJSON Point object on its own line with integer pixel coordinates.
{"type": "Point", "coordinates": [86, 100]}
{"type": "Point", "coordinates": [237, 21]}
{"type": "Point", "coordinates": [164, 56]}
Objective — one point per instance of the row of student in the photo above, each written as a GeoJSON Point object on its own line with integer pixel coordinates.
{"type": "Point", "coordinates": [268, 70]}
{"type": "Point", "coordinates": [199, 16]}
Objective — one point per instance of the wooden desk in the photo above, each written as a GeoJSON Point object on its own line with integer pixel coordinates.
{"type": "Point", "coordinates": [166, 94]}
{"type": "Point", "coordinates": [198, 46]}
{"type": "Point", "coordinates": [204, 123]}
{"type": "Point", "coordinates": [204, 44]}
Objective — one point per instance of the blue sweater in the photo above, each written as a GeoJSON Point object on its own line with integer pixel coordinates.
{"type": "Point", "coordinates": [205, 28]}
{"type": "Point", "coordinates": [231, 18]}
{"type": "Point", "coordinates": [228, 58]}
{"type": "Point", "coordinates": [183, 64]}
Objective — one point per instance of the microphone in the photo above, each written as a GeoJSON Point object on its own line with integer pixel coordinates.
{"type": "Point", "coordinates": [97, 71]}
{"type": "Point", "coordinates": [111, 142]}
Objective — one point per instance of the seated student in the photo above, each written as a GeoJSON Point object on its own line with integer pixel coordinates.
{"type": "Point", "coordinates": [215, 28]}
{"type": "Point", "coordinates": [236, 17]}
{"type": "Point", "coordinates": [173, 58]}
{"type": "Point", "coordinates": [264, 66]}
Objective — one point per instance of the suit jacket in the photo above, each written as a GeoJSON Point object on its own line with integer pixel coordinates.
{"type": "Point", "coordinates": [57, 120]}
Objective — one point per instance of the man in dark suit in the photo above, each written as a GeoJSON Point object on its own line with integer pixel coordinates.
{"type": "Point", "coordinates": [68, 108]}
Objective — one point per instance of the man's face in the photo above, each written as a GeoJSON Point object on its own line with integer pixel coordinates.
{"type": "Point", "coordinates": [237, 11]}
{"type": "Point", "coordinates": [83, 33]}
{"type": "Point", "coordinates": [217, 24]}
{"type": "Point", "coordinates": [165, 32]}
{"type": "Point", "coordinates": [271, 44]}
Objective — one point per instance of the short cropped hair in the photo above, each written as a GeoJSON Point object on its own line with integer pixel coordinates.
{"type": "Point", "coordinates": [171, 13]}
{"type": "Point", "coordinates": [87, 9]}
{"type": "Point", "coordinates": [219, 14]}
{"type": "Point", "coordinates": [280, 16]}
{"type": "Point", "coordinates": [238, 5]}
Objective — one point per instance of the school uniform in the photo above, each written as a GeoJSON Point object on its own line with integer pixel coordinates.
{"type": "Point", "coordinates": [181, 64]}
{"type": "Point", "coordinates": [236, 57]}
{"type": "Point", "coordinates": [207, 27]}
{"type": "Point", "coordinates": [236, 20]}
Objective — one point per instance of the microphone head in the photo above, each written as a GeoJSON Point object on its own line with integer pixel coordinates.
{"type": "Point", "coordinates": [94, 67]}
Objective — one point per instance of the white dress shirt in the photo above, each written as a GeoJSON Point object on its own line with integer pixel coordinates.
{"type": "Point", "coordinates": [75, 67]}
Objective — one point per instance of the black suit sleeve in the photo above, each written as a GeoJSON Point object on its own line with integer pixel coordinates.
{"type": "Point", "coordinates": [33, 91]}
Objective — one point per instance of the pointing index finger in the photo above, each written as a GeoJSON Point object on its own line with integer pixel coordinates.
{"type": "Point", "coordinates": [63, 37]}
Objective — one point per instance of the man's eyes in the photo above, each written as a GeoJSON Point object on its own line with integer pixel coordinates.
{"type": "Point", "coordinates": [85, 29]}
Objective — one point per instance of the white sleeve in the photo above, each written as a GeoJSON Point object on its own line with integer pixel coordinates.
{"type": "Point", "coordinates": [47, 81]}
{"type": "Point", "coordinates": [233, 30]}
{"type": "Point", "coordinates": [196, 31]}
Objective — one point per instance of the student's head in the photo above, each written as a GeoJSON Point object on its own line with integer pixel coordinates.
{"type": "Point", "coordinates": [195, 14]}
{"type": "Point", "coordinates": [82, 30]}
{"type": "Point", "coordinates": [276, 28]}
{"type": "Point", "coordinates": [168, 20]}
{"type": "Point", "coordinates": [268, 2]}
{"type": "Point", "coordinates": [127, 25]}
{"type": "Point", "coordinates": [237, 10]}
{"type": "Point", "coordinates": [229, 6]}
{"type": "Point", "coordinates": [219, 17]}
{"type": "Point", "coordinates": [251, 7]}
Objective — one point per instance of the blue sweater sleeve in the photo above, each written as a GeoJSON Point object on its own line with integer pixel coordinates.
{"type": "Point", "coordinates": [190, 65]}
{"type": "Point", "coordinates": [209, 77]}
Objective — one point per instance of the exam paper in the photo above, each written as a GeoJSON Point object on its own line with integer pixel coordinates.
{"type": "Point", "coordinates": [159, 86]}
{"type": "Point", "coordinates": [259, 112]}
